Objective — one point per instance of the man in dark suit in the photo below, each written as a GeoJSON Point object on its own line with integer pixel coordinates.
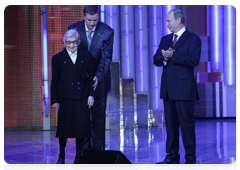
{"type": "Point", "coordinates": [71, 93]}
{"type": "Point", "coordinates": [178, 54]}
{"type": "Point", "coordinates": [93, 33]}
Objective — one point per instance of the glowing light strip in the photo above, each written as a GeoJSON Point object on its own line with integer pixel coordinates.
{"type": "Point", "coordinates": [44, 36]}
{"type": "Point", "coordinates": [218, 139]}
{"type": "Point", "coordinates": [230, 55]}
{"type": "Point", "coordinates": [45, 52]}
{"type": "Point", "coordinates": [217, 99]}
{"type": "Point", "coordinates": [156, 88]}
{"type": "Point", "coordinates": [169, 7]}
{"type": "Point", "coordinates": [155, 49]}
{"type": "Point", "coordinates": [216, 32]}
{"type": "Point", "coordinates": [127, 41]}
{"type": "Point", "coordinates": [121, 140]}
{"type": "Point", "coordinates": [136, 144]}
{"type": "Point", "coordinates": [166, 9]}
{"type": "Point", "coordinates": [110, 7]}
{"type": "Point", "coordinates": [156, 75]}
{"type": "Point", "coordinates": [141, 45]}
{"type": "Point", "coordinates": [45, 61]}
{"type": "Point", "coordinates": [102, 13]}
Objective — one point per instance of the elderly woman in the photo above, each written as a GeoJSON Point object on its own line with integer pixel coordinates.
{"type": "Point", "coordinates": [72, 93]}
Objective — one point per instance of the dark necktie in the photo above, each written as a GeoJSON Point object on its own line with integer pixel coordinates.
{"type": "Point", "coordinates": [175, 39]}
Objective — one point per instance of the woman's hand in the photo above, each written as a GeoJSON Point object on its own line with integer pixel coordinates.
{"type": "Point", "coordinates": [90, 101]}
{"type": "Point", "coordinates": [56, 106]}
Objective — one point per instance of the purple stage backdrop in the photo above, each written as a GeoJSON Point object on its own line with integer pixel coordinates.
{"type": "Point", "coordinates": [134, 99]}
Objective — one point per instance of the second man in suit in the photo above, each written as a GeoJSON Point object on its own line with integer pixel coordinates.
{"type": "Point", "coordinates": [93, 33]}
{"type": "Point", "coordinates": [178, 54]}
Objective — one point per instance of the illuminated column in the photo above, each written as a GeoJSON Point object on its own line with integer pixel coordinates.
{"type": "Point", "coordinates": [141, 49]}
{"type": "Point", "coordinates": [127, 42]}
{"type": "Point", "coordinates": [155, 72]}
{"type": "Point", "coordinates": [112, 19]}
{"type": "Point", "coordinates": [102, 13]}
{"type": "Point", "coordinates": [216, 36]}
{"type": "Point", "coordinates": [165, 10]}
{"type": "Point", "coordinates": [44, 35]}
{"type": "Point", "coordinates": [229, 26]}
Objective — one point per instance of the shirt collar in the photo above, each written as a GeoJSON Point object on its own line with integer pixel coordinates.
{"type": "Point", "coordinates": [71, 54]}
{"type": "Point", "coordinates": [86, 28]}
{"type": "Point", "coordinates": [181, 31]}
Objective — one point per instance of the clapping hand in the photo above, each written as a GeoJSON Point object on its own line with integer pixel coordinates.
{"type": "Point", "coordinates": [167, 54]}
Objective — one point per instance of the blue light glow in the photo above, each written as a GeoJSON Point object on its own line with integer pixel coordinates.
{"type": "Point", "coordinates": [44, 27]}
{"type": "Point", "coordinates": [154, 15]}
{"type": "Point", "coordinates": [102, 7]}
{"type": "Point", "coordinates": [156, 88]}
{"type": "Point", "coordinates": [127, 41]}
{"type": "Point", "coordinates": [102, 13]}
{"type": "Point", "coordinates": [46, 89]}
{"type": "Point", "coordinates": [45, 56]}
{"type": "Point", "coordinates": [216, 31]}
{"type": "Point", "coordinates": [166, 9]}
{"type": "Point", "coordinates": [45, 53]}
{"type": "Point", "coordinates": [230, 55]}
{"type": "Point", "coordinates": [111, 22]}
{"type": "Point", "coordinates": [141, 45]}
{"type": "Point", "coordinates": [169, 7]}
{"type": "Point", "coordinates": [140, 16]}
{"type": "Point", "coordinates": [155, 49]}
{"type": "Point", "coordinates": [155, 25]}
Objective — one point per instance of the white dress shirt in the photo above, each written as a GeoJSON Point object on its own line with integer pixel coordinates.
{"type": "Point", "coordinates": [73, 56]}
{"type": "Point", "coordinates": [179, 33]}
{"type": "Point", "coordinates": [86, 28]}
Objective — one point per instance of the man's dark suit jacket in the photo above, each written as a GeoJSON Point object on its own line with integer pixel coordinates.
{"type": "Point", "coordinates": [102, 32]}
{"type": "Point", "coordinates": [178, 75]}
{"type": "Point", "coordinates": [69, 81]}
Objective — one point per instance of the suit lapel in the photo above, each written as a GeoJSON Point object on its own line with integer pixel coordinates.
{"type": "Point", "coordinates": [96, 36]}
{"type": "Point", "coordinates": [170, 42]}
{"type": "Point", "coordinates": [181, 39]}
{"type": "Point", "coordinates": [68, 62]}
{"type": "Point", "coordinates": [82, 34]}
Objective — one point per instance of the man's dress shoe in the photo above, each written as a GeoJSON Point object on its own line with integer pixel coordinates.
{"type": "Point", "coordinates": [168, 161]}
{"type": "Point", "coordinates": [61, 161]}
{"type": "Point", "coordinates": [189, 164]}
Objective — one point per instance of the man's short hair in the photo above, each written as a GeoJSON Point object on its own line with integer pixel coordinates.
{"type": "Point", "coordinates": [177, 13]}
{"type": "Point", "coordinates": [71, 33]}
{"type": "Point", "coordinates": [91, 9]}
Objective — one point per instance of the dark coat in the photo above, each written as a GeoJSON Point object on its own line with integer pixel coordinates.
{"type": "Point", "coordinates": [178, 75]}
{"type": "Point", "coordinates": [70, 88]}
{"type": "Point", "coordinates": [102, 32]}
{"type": "Point", "coordinates": [69, 81]}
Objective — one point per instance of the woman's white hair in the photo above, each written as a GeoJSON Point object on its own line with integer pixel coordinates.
{"type": "Point", "coordinates": [71, 33]}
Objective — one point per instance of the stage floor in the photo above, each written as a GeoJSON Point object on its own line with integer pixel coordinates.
{"type": "Point", "coordinates": [215, 139]}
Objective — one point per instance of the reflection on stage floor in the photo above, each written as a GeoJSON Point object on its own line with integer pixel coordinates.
{"type": "Point", "coordinates": [216, 144]}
